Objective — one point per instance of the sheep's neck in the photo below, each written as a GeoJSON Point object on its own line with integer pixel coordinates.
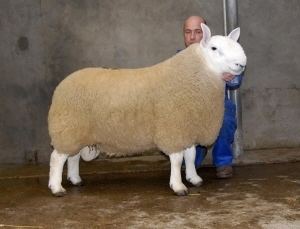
{"type": "Point", "coordinates": [190, 63]}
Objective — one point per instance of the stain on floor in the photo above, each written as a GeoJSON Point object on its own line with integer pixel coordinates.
{"type": "Point", "coordinates": [258, 196]}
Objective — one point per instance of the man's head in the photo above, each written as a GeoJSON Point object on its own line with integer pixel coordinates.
{"type": "Point", "coordinates": [192, 30]}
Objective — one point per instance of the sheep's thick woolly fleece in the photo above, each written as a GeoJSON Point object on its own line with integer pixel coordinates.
{"type": "Point", "coordinates": [169, 106]}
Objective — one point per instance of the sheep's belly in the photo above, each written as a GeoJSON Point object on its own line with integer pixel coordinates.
{"type": "Point", "coordinates": [123, 137]}
{"type": "Point", "coordinates": [118, 152]}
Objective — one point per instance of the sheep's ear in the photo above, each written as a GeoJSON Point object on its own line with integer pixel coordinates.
{"type": "Point", "coordinates": [206, 34]}
{"type": "Point", "coordinates": [235, 34]}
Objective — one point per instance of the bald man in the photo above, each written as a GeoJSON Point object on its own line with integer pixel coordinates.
{"type": "Point", "coordinates": [192, 30]}
{"type": "Point", "coordinates": [222, 151]}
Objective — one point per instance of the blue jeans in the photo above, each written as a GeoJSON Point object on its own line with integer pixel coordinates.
{"type": "Point", "coordinates": [222, 152]}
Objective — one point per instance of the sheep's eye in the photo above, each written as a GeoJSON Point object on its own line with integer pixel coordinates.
{"type": "Point", "coordinates": [213, 48]}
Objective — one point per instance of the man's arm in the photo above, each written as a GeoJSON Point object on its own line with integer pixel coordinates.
{"type": "Point", "coordinates": [232, 82]}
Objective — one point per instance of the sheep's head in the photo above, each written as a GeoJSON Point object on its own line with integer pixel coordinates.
{"type": "Point", "coordinates": [223, 53]}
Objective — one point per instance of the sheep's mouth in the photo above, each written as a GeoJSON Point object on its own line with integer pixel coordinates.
{"type": "Point", "coordinates": [236, 72]}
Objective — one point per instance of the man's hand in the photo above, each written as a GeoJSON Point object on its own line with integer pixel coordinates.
{"type": "Point", "coordinates": [227, 77]}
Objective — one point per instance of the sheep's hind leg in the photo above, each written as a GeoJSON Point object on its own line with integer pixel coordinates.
{"type": "Point", "coordinates": [73, 170]}
{"type": "Point", "coordinates": [190, 170]}
{"type": "Point", "coordinates": [175, 179]}
{"type": "Point", "coordinates": [57, 162]}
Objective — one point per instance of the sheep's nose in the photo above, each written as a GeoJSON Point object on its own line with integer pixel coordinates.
{"type": "Point", "coordinates": [240, 65]}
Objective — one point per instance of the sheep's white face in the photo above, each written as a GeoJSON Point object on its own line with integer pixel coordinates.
{"type": "Point", "coordinates": [223, 53]}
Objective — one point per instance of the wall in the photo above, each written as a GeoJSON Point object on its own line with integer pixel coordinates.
{"type": "Point", "coordinates": [271, 91]}
{"type": "Point", "coordinates": [42, 41]}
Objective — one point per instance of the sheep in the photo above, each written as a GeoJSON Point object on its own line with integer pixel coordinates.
{"type": "Point", "coordinates": [170, 106]}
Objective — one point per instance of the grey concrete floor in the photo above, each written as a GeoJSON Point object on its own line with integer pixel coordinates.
{"type": "Point", "coordinates": [117, 196]}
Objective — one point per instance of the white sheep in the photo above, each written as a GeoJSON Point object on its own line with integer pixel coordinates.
{"type": "Point", "coordinates": [171, 106]}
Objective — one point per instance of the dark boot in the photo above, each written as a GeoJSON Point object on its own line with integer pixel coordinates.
{"type": "Point", "coordinates": [224, 172]}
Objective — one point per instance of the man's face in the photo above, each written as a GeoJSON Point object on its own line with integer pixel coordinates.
{"type": "Point", "coordinates": [192, 31]}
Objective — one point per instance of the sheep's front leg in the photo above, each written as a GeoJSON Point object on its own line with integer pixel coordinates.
{"type": "Point", "coordinates": [175, 178]}
{"type": "Point", "coordinates": [73, 170]}
{"type": "Point", "coordinates": [190, 170]}
{"type": "Point", "coordinates": [57, 162]}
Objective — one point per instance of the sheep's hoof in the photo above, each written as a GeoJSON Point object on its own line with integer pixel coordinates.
{"type": "Point", "coordinates": [195, 180]}
{"type": "Point", "coordinates": [80, 183]}
{"type": "Point", "coordinates": [76, 182]}
{"type": "Point", "coordinates": [182, 193]}
{"type": "Point", "coordinates": [58, 191]}
{"type": "Point", "coordinates": [59, 194]}
{"type": "Point", "coordinates": [196, 184]}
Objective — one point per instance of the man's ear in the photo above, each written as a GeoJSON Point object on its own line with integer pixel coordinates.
{"type": "Point", "coordinates": [206, 34]}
